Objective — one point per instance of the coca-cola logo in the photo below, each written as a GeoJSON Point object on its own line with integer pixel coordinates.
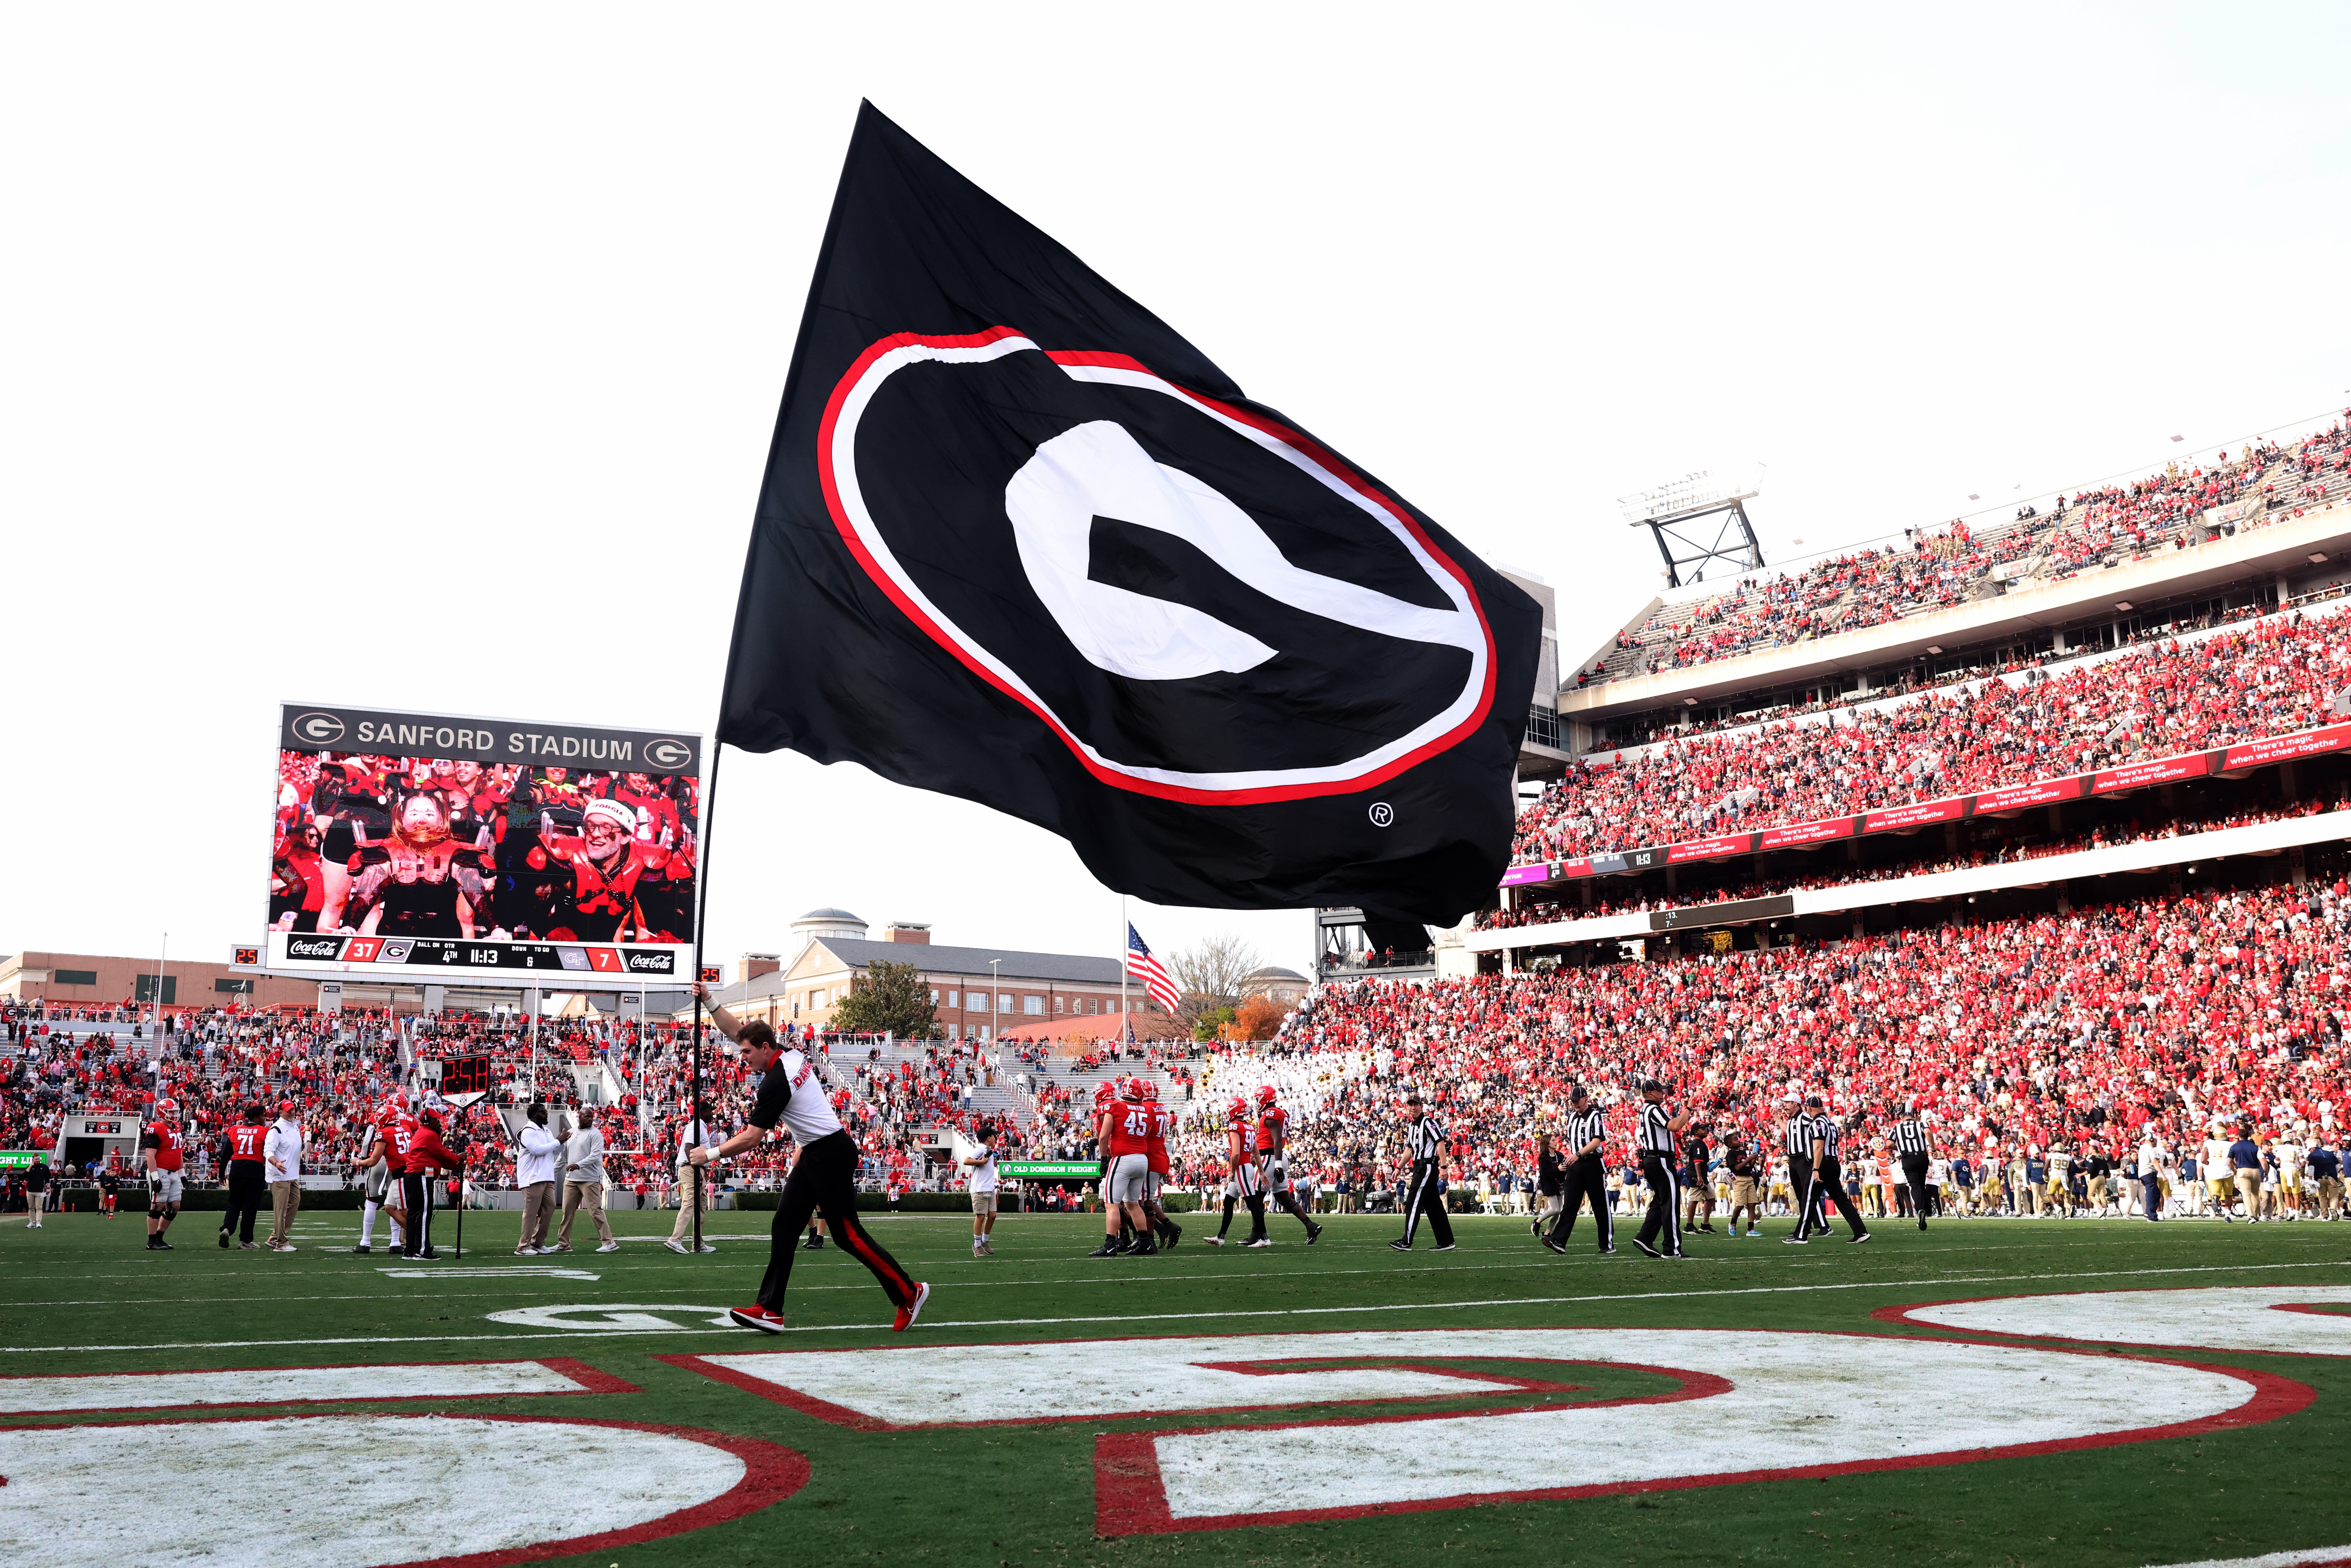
{"type": "Point", "coordinates": [314, 947]}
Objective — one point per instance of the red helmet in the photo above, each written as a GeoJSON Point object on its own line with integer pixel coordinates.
{"type": "Point", "coordinates": [166, 1107]}
{"type": "Point", "coordinates": [1130, 1088]}
{"type": "Point", "coordinates": [1265, 1094]}
{"type": "Point", "coordinates": [1104, 1090]}
{"type": "Point", "coordinates": [1148, 1088]}
{"type": "Point", "coordinates": [1237, 1108]}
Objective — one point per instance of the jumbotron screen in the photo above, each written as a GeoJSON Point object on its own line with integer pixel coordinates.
{"type": "Point", "coordinates": [425, 846]}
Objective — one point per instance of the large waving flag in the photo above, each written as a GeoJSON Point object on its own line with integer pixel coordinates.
{"type": "Point", "coordinates": [1021, 542]}
{"type": "Point", "coordinates": [1151, 972]}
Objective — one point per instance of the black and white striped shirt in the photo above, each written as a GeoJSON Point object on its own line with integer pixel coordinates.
{"type": "Point", "coordinates": [1910, 1137]}
{"type": "Point", "coordinates": [1656, 1130]}
{"type": "Point", "coordinates": [1824, 1132]}
{"type": "Point", "coordinates": [1424, 1135]}
{"type": "Point", "coordinates": [1798, 1139]}
{"type": "Point", "coordinates": [1584, 1127]}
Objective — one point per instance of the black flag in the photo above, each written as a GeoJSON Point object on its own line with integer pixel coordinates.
{"type": "Point", "coordinates": [1021, 542]}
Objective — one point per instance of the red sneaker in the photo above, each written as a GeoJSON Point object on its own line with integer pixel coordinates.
{"type": "Point", "coordinates": [912, 1309]}
{"type": "Point", "coordinates": [756, 1316]}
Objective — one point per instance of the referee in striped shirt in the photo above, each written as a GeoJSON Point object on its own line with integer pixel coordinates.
{"type": "Point", "coordinates": [1796, 1143]}
{"type": "Point", "coordinates": [1910, 1146]}
{"type": "Point", "coordinates": [1427, 1142]}
{"type": "Point", "coordinates": [1658, 1128]}
{"type": "Point", "coordinates": [1587, 1173]}
{"type": "Point", "coordinates": [1828, 1175]}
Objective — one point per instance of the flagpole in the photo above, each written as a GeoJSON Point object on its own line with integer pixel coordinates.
{"type": "Point", "coordinates": [701, 920]}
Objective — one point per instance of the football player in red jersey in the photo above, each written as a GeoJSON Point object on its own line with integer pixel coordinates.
{"type": "Point", "coordinates": [379, 1183]}
{"type": "Point", "coordinates": [1242, 1182]}
{"type": "Point", "coordinates": [1105, 1096]}
{"type": "Point", "coordinates": [246, 1189]}
{"type": "Point", "coordinates": [1161, 1124]}
{"type": "Point", "coordinates": [165, 1152]}
{"type": "Point", "coordinates": [1127, 1126]}
{"type": "Point", "coordinates": [1273, 1159]}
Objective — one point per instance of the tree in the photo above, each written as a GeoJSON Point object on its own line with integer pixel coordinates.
{"type": "Point", "coordinates": [888, 998]}
{"type": "Point", "coordinates": [1257, 1018]}
{"type": "Point", "coordinates": [1212, 1024]}
{"type": "Point", "coordinates": [1212, 975]}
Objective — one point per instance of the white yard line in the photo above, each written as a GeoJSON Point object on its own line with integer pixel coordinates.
{"type": "Point", "coordinates": [1173, 1317]}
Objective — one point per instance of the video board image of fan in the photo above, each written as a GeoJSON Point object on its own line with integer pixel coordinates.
{"type": "Point", "coordinates": [481, 845]}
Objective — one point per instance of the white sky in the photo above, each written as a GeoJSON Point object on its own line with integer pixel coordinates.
{"type": "Point", "coordinates": [428, 358]}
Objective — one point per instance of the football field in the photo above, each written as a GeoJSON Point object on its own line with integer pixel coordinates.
{"type": "Point", "coordinates": [2083, 1393]}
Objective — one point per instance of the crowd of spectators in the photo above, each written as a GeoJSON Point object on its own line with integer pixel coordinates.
{"type": "Point", "coordinates": [2077, 1031]}
{"type": "Point", "coordinates": [59, 1061]}
{"type": "Point", "coordinates": [2173, 510]}
{"type": "Point", "coordinates": [2273, 676]}
{"type": "Point", "coordinates": [2016, 842]}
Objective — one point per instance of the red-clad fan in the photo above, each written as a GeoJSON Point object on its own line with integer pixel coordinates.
{"type": "Point", "coordinates": [164, 1149]}
{"type": "Point", "coordinates": [1157, 1128]}
{"type": "Point", "coordinates": [1273, 1159]}
{"type": "Point", "coordinates": [612, 875]}
{"type": "Point", "coordinates": [1243, 1182]}
{"type": "Point", "coordinates": [657, 818]}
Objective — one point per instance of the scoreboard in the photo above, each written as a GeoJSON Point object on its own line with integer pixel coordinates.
{"type": "Point", "coordinates": [450, 953]}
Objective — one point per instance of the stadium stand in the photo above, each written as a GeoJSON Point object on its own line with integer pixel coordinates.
{"type": "Point", "coordinates": [2174, 510]}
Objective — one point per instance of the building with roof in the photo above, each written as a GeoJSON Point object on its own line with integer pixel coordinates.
{"type": "Point", "coordinates": [1284, 988]}
{"type": "Point", "coordinates": [979, 992]}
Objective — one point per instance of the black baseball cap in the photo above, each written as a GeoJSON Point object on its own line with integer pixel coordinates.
{"type": "Point", "coordinates": [1650, 1086]}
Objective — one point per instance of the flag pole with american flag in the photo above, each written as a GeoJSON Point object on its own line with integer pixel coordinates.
{"type": "Point", "coordinates": [1157, 983]}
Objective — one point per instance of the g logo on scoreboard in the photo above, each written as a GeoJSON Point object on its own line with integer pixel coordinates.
{"type": "Point", "coordinates": [317, 729]}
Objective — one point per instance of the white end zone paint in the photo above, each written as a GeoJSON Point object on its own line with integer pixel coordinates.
{"type": "Point", "coordinates": [1795, 1400]}
{"type": "Point", "coordinates": [962, 1385]}
{"type": "Point", "coordinates": [2242, 1319]}
{"type": "Point", "coordinates": [640, 1317]}
{"type": "Point", "coordinates": [341, 1489]}
{"type": "Point", "coordinates": [2314, 1557]}
{"type": "Point", "coordinates": [280, 1385]}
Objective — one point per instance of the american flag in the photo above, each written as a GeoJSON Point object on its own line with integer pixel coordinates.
{"type": "Point", "coordinates": [1146, 968]}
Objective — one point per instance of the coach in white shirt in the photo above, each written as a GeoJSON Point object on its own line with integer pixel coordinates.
{"type": "Point", "coordinates": [583, 1171]}
{"type": "Point", "coordinates": [281, 1166]}
{"type": "Point", "coordinates": [699, 1134]}
{"type": "Point", "coordinates": [535, 1173]}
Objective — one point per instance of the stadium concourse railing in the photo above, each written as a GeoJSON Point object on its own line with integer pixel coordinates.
{"type": "Point", "coordinates": [2146, 854]}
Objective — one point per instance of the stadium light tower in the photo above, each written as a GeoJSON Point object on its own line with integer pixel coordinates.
{"type": "Point", "coordinates": [1680, 513]}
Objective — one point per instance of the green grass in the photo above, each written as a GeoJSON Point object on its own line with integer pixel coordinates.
{"type": "Point", "coordinates": [82, 1296]}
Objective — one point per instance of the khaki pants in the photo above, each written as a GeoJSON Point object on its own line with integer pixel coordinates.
{"type": "Point", "coordinates": [285, 1201]}
{"type": "Point", "coordinates": [2330, 1193]}
{"type": "Point", "coordinates": [2249, 1187]}
{"type": "Point", "coordinates": [33, 1201]}
{"type": "Point", "coordinates": [591, 1194]}
{"type": "Point", "coordinates": [683, 1229]}
{"type": "Point", "coordinates": [537, 1208]}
